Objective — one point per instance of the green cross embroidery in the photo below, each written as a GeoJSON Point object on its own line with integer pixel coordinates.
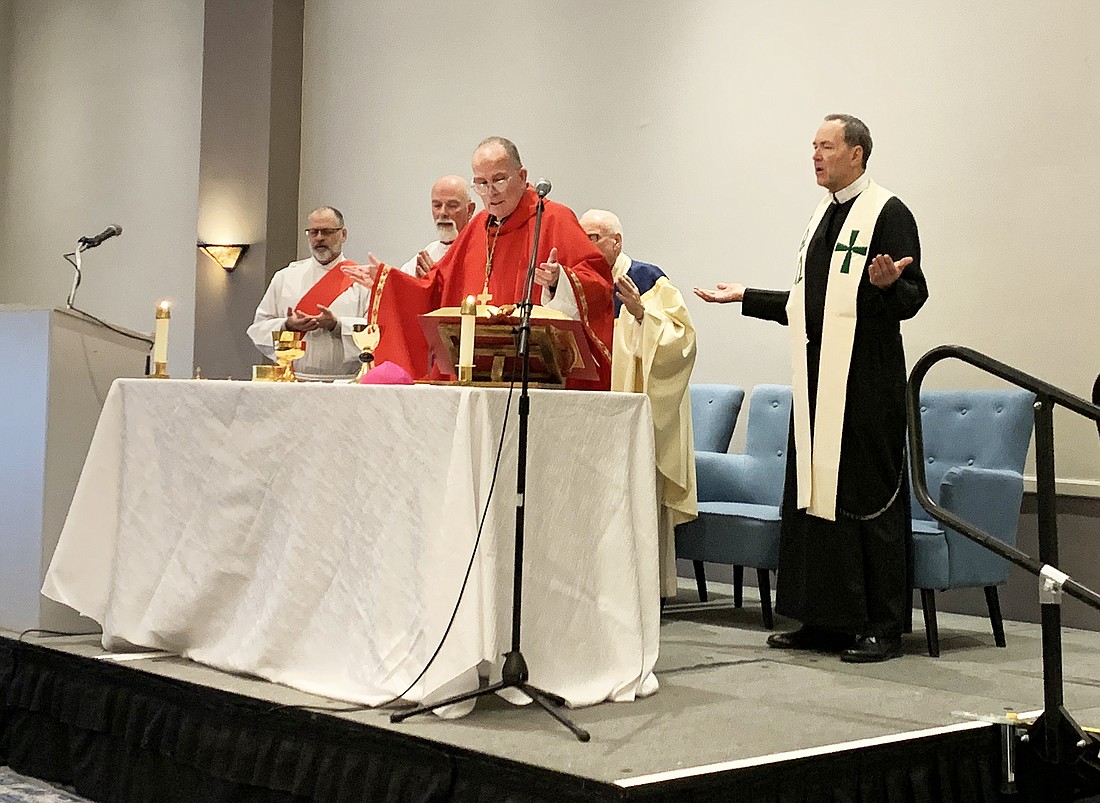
{"type": "Point", "coordinates": [850, 248]}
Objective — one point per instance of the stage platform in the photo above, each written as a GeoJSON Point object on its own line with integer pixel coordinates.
{"type": "Point", "coordinates": [733, 720]}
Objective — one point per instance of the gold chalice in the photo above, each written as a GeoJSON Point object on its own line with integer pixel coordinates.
{"type": "Point", "coordinates": [366, 337]}
{"type": "Point", "coordinates": [289, 346]}
{"type": "Point", "coordinates": [266, 373]}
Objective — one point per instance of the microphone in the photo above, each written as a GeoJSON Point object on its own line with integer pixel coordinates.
{"type": "Point", "coordinates": [106, 234]}
{"type": "Point", "coordinates": [542, 189]}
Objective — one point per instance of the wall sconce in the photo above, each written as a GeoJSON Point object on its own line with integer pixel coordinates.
{"type": "Point", "coordinates": [225, 255]}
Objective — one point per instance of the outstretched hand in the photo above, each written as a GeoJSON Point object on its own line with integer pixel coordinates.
{"type": "Point", "coordinates": [297, 321]}
{"type": "Point", "coordinates": [365, 275]}
{"type": "Point", "coordinates": [326, 320]}
{"type": "Point", "coordinates": [884, 271]}
{"type": "Point", "coordinates": [722, 294]}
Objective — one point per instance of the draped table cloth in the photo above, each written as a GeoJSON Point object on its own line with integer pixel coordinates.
{"type": "Point", "coordinates": [318, 535]}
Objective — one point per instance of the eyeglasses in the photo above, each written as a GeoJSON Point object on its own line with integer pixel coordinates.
{"type": "Point", "coordinates": [322, 232]}
{"type": "Point", "coordinates": [481, 186]}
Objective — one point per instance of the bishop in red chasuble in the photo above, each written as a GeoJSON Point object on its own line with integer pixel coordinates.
{"type": "Point", "coordinates": [489, 260]}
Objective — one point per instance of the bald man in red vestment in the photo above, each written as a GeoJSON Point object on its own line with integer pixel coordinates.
{"type": "Point", "coordinates": [489, 260]}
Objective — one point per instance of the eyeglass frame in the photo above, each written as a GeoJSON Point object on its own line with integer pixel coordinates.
{"type": "Point", "coordinates": [324, 232]}
{"type": "Point", "coordinates": [482, 188]}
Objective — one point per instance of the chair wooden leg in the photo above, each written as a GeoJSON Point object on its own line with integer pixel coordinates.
{"type": "Point", "coordinates": [931, 630]}
{"type": "Point", "coordinates": [700, 579]}
{"type": "Point", "coordinates": [763, 580]}
{"type": "Point", "coordinates": [738, 584]}
{"type": "Point", "coordinates": [994, 605]}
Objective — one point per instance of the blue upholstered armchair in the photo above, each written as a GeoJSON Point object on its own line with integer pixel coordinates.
{"type": "Point", "coordinates": [714, 411]}
{"type": "Point", "coordinates": [739, 500]}
{"type": "Point", "coordinates": [975, 444]}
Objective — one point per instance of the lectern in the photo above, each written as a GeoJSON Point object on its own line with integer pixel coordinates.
{"type": "Point", "coordinates": [57, 367]}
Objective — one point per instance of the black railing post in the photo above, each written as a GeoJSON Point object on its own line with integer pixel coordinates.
{"type": "Point", "coordinates": [1051, 603]}
{"type": "Point", "coordinates": [1044, 480]}
{"type": "Point", "coordinates": [1056, 738]}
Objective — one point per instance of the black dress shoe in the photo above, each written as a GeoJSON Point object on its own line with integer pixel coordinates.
{"type": "Point", "coordinates": [873, 649]}
{"type": "Point", "coordinates": [808, 637]}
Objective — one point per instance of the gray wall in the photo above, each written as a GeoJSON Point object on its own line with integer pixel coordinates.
{"type": "Point", "coordinates": [6, 17]}
{"type": "Point", "coordinates": [104, 116]}
{"type": "Point", "coordinates": [248, 185]}
{"type": "Point", "coordinates": [694, 120]}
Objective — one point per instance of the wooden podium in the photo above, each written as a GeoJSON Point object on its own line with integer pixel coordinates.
{"type": "Point", "coordinates": [559, 348]}
{"type": "Point", "coordinates": [57, 367]}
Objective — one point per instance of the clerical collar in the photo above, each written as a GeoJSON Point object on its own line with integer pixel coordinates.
{"type": "Point", "coordinates": [496, 221]}
{"type": "Point", "coordinates": [852, 190]}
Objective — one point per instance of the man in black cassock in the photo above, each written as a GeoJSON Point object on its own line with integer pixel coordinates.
{"type": "Point", "coordinates": [845, 567]}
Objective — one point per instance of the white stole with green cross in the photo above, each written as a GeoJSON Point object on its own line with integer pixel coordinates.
{"type": "Point", "coordinates": [818, 456]}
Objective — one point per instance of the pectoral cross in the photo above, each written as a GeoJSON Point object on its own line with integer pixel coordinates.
{"type": "Point", "coordinates": [484, 297]}
{"type": "Point", "coordinates": [850, 248]}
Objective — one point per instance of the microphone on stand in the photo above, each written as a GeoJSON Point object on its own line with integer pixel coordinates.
{"type": "Point", "coordinates": [83, 244]}
{"type": "Point", "coordinates": [542, 189]}
{"type": "Point", "coordinates": [106, 234]}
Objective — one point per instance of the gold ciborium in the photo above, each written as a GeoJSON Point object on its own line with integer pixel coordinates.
{"type": "Point", "coordinates": [289, 346]}
{"type": "Point", "coordinates": [366, 337]}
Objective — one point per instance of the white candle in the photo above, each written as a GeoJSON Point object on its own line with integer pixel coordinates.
{"type": "Point", "coordinates": [466, 335]}
{"type": "Point", "coordinates": [160, 340]}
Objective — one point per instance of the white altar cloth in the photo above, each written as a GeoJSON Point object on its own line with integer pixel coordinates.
{"type": "Point", "coordinates": [317, 535]}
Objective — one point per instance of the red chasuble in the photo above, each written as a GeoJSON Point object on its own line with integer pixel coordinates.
{"type": "Point", "coordinates": [325, 291]}
{"type": "Point", "coordinates": [399, 298]}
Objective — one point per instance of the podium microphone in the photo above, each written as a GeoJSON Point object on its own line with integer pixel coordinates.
{"type": "Point", "coordinates": [542, 189]}
{"type": "Point", "coordinates": [106, 234]}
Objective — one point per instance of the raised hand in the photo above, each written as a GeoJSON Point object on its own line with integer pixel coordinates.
{"type": "Point", "coordinates": [884, 271]}
{"type": "Point", "coordinates": [424, 263]}
{"type": "Point", "coordinates": [631, 298]}
{"type": "Point", "coordinates": [547, 273]}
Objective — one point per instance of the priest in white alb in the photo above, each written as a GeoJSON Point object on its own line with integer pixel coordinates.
{"type": "Point", "coordinates": [845, 544]}
{"type": "Point", "coordinates": [315, 297]}
{"type": "Point", "coordinates": [653, 353]}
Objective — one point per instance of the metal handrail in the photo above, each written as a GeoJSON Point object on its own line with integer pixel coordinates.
{"type": "Point", "coordinates": [1061, 741]}
{"type": "Point", "coordinates": [1096, 397]}
{"type": "Point", "coordinates": [1043, 391]}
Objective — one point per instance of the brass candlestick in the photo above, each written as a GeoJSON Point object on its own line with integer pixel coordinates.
{"type": "Point", "coordinates": [468, 311]}
{"type": "Point", "coordinates": [160, 340]}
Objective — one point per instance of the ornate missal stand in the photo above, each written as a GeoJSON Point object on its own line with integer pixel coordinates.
{"type": "Point", "coordinates": [558, 348]}
{"type": "Point", "coordinates": [514, 673]}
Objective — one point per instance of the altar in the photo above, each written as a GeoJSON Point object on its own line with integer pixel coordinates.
{"type": "Point", "coordinates": [319, 535]}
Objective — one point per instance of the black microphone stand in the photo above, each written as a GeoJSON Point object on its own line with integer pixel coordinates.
{"type": "Point", "coordinates": [514, 673]}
